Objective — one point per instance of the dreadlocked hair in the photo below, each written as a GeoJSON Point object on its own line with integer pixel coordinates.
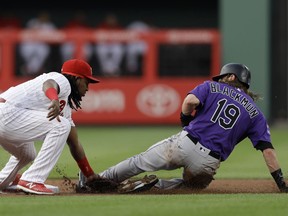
{"type": "Point", "coordinates": [237, 84]}
{"type": "Point", "coordinates": [74, 99]}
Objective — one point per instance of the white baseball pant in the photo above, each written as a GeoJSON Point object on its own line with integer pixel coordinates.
{"type": "Point", "coordinates": [19, 129]}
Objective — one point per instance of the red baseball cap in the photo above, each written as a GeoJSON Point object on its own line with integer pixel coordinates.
{"type": "Point", "coordinates": [79, 68]}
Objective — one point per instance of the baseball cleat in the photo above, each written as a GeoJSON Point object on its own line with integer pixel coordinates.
{"type": "Point", "coordinates": [13, 185]}
{"type": "Point", "coordinates": [34, 188]}
{"type": "Point", "coordinates": [144, 184]}
{"type": "Point", "coordinates": [15, 189]}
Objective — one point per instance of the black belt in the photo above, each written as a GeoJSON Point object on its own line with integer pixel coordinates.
{"type": "Point", "coordinates": [211, 153]}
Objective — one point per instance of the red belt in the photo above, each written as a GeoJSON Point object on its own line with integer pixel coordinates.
{"type": "Point", "coordinates": [2, 100]}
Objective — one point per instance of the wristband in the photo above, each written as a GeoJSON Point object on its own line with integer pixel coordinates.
{"type": "Point", "coordinates": [51, 93]}
{"type": "Point", "coordinates": [278, 177]}
{"type": "Point", "coordinates": [185, 119]}
{"type": "Point", "coordinates": [85, 167]}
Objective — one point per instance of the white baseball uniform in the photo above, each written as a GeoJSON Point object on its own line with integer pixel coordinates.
{"type": "Point", "coordinates": [23, 120]}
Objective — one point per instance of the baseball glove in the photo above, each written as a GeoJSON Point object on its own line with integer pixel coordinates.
{"type": "Point", "coordinates": [102, 185]}
{"type": "Point", "coordinates": [95, 185]}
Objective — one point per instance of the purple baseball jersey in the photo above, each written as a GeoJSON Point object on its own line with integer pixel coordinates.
{"type": "Point", "coordinates": [229, 115]}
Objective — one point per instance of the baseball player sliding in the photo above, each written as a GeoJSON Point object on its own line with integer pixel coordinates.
{"type": "Point", "coordinates": [40, 109]}
{"type": "Point", "coordinates": [225, 115]}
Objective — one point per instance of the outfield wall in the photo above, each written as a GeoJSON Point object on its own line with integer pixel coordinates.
{"type": "Point", "coordinates": [151, 97]}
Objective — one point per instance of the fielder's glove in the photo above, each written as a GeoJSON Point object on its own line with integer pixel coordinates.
{"type": "Point", "coordinates": [102, 185]}
{"type": "Point", "coordinates": [95, 185]}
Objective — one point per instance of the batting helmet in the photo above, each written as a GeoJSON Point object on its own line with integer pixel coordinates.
{"type": "Point", "coordinates": [241, 71]}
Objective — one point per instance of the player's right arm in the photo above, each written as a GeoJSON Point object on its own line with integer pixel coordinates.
{"type": "Point", "coordinates": [78, 153]}
{"type": "Point", "coordinates": [188, 109]}
{"type": "Point", "coordinates": [189, 104]}
{"type": "Point", "coordinates": [51, 90]}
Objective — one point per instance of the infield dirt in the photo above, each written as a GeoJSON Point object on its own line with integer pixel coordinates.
{"type": "Point", "coordinates": [226, 186]}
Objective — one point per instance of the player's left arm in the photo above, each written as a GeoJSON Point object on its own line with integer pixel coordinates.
{"type": "Point", "coordinates": [78, 153]}
{"type": "Point", "coordinates": [272, 163]}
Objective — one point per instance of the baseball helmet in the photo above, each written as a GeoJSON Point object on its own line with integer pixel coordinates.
{"type": "Point", "coordinates": [78, 68]}
{"type": "Point", "coordinates": [241, 71]}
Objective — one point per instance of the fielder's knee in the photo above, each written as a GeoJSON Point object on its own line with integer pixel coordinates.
{"type": "Point", "coordinates": [27, 156]}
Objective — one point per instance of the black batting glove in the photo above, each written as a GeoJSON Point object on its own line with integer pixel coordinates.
{"type": "Point", "coordinates": [279, 179]}
{"type": "Point", "coordinates": [185, 119]}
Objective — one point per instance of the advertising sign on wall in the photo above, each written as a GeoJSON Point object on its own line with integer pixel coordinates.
{"type": "Point", "coordinates": [174, 62]}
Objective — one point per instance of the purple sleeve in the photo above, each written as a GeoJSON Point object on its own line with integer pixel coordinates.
{"type": "Point", "coordinates": [259, 130]}
{"type": "Point", "coordinates": [201, 92]}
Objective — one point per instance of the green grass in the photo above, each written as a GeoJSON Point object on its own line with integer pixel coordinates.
{"type": "Point", "coordinates": [111, 205]}
{"type": "Point", "coordinates": [168, 205]}
{"type": "Point", "coordinates": [106, 146]}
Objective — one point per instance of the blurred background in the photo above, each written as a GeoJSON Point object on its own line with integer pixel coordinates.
{"type": "Point", "coordinates": [148, 56]}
